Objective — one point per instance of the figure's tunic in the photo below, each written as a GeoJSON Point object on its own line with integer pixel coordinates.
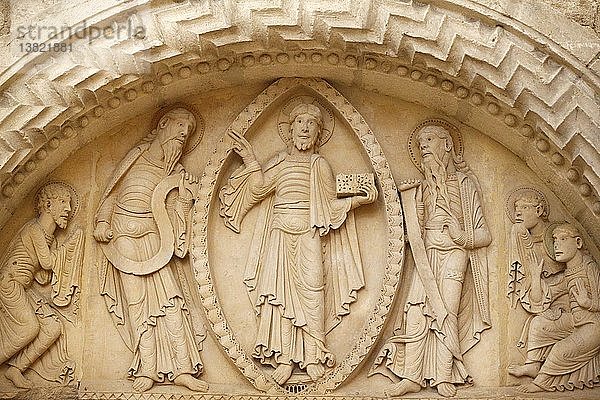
{"type": "Point", "coordinates": [291, 326]}
{"type": "Point", "coordinates": [575, 360]}
{"type": "Point", "coordinates": [288, 282]}
{"type": "Point", "coordinates": [448, 261]}
{"type": "Point", "coordinates": [162, 336]}
{"type": "Point", "coordinates": [28, 325]}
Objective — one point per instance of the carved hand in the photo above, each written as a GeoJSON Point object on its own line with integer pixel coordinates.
{"type": "Point", "coordinates": [454, 228]}
{"type": "Point", "coordinates": [102, 232]}
{"type": "Point", "coordinates": [408, 184]}
{"type": "Point", "coordinates": [581, 295]}
{"type": "Point", "coordinates": [188, 185]}
{"type": "Point", "coordinates": [370, 195]}
{"type": "Point", "coordinates": [535, 263]}
{"type": "Point", "coordinates": [242, 147]}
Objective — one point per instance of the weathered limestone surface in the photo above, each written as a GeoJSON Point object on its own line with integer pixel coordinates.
{"type": "Point", "coordinates": [299, 198]}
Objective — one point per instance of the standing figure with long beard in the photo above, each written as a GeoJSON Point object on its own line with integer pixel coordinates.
{"type": "Point", "coordinates": [447, 306]}
{"type": "Point", "coordinates": [304, 267]}
{"type": "Point", "coordinates": [142, 222]}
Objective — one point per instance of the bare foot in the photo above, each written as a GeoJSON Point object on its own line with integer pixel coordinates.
{"type": "Point", "coordinates": [403, 387]}
{"type": "Point", "coordinates": [530, 388]}
{"type": "Point", "coordinates": [142, 383]}
{"type": "Point", "coordinates": [16, 377]}
{"type": "Point", "coordinates": [446, 389]}
{"type": "Point", "coordinates": [282, 373]}
{"type": "Point", "coordinates": [191, 383]}
{"type": "Point", "coordinates": [530, 370]}
{"type": "Point", "coordinates": [315, 371]}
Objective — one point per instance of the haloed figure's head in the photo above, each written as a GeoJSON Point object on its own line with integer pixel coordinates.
{"type": "Point", "coordinates": [435, 144]}
{"type": "Point", "coordinates": [530, 210]}
{"type": "Point", "coordinates": [567, 242]}
{"type": "Point", "coordinates": [306, 123]}
{"type": "Point", "coordinates": [54, 199]}
{"type": "Point", "coordinates": [173, 130]}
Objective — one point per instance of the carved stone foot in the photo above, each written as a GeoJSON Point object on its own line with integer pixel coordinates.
{"type": "Point", "coordinates": [191, 383]}
{"type": "Point", "coordinates": [446, 389]}
{"type": "Point", "coordinates": [282, 373]}
{"type": "Point", "coordinates": [16, 377]}
{"type": "Point", "coordinates": [142, 383]}
{"type": "Point", "coordinates": [403, 387]}
{"type": "Point", "coordinates": [315, 371]}
{"type": "Point", "coordinates": [530, 388]}
{"type": "Point", "coordinates": [530, 370]}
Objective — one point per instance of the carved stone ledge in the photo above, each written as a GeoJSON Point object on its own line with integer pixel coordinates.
{"type": "Point", "coordinates": [507, 394]}
{"type": "Point", "coordinates": [58, 393]}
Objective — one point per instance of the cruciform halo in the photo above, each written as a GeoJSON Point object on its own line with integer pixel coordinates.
{"type": "Point", "coordinates": [195, 137]}
{"type": "Point", "coordinates": [72, 192]}
{"type": "Point", "coordinates": [413, 146]}
{"type": "Point", "coordinates": [283, 121]}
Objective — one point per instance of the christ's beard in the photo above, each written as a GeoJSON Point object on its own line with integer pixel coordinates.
{"type": "Point", "coordinates": [303, 144]}
{"type": "Point", "coordinates": [172, 152]}
{"type": "Point", "coordinates": [435, 175]}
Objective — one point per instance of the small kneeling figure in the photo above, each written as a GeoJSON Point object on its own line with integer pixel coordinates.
{"type": "Point", "coordinates": [574, 361]}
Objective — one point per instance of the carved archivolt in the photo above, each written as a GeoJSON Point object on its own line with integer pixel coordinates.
{"type": "Point", "coordinates": [395, 254]}
{"type": "Point", "coordinates": [546, 98]}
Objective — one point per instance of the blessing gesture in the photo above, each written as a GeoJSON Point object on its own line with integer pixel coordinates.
{"type": "Point", "coordinates": [242, 147]}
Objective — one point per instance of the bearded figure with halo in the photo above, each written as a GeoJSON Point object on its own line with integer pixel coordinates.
{"type": "Point", "coordinates": [447, 306]}
{"type": "Point", "coordinates": [142, 226]}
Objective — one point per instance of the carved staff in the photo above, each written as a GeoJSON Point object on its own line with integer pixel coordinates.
{"type": "Point", "coordinates": [420, 255]}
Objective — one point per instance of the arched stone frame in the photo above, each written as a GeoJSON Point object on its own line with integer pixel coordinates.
{"type": "Point", "coordinates": [541, 106]}
{"type": "Point", "coordinates": [459, 54]}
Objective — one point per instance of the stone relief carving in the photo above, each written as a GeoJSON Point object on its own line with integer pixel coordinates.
{"type": "Point", "coordinates": [304, 268]}
{"type": "Point", "coordinates": [382, 293]}
{"type": "Point", "coordinates": [143, 228]}
{"type": "Point", "coordinates": [447, 307]}
{"type": "Point", "coordinates": [536, 279]}
{"type": "Point", "coordinates": [572, 359]}
{"type": "Point", "coordinates": [31, 324]}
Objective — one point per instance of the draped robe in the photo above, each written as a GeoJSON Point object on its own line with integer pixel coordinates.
{"type": "Point", "coordinates": [304, 267]}
{"type": "Point", "coordinates": [150, 310]}
{"type": "Point", "coordinates": [574, 361]}
{"type": "Point", "coordinates": [550, 319]}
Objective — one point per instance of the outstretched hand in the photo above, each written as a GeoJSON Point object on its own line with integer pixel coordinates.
{"type": "Point", "coordinates": [188, 185]}
{"type": "Point", "coordinates": [242, 147]}
{"type": "Point", "coordinates": [535, 263]}
{"type": "Point", "coordinates": [581, 295]}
